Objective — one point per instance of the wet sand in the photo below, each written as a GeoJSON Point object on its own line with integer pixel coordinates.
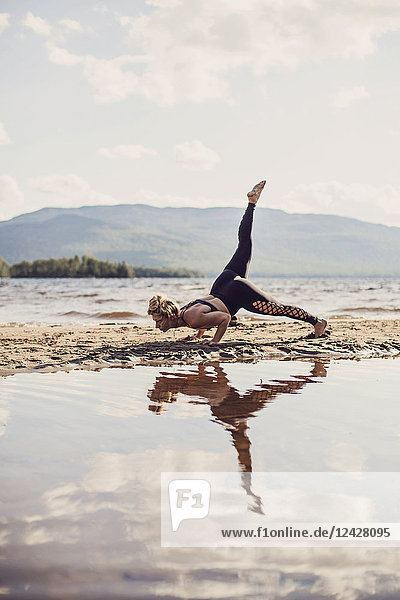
{"type": "Point", "coordinates": [50, 348]}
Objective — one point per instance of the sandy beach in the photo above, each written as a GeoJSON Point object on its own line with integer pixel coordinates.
{"type": "Point", "coordinates": [51, 348]}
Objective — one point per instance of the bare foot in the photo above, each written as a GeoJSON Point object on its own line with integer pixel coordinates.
{"type": "Point", "coordinates": [319, 327]}
{"type": "Point", "coordinates": [254, 195]}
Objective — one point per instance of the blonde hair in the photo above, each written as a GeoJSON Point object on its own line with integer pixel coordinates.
{"type": "Point", "coordinates": [163, 306]}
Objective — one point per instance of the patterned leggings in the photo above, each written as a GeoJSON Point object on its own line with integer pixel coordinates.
{"type": "Point", "coordinates": [236, 291]}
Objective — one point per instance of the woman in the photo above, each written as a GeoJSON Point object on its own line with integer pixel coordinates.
{"type": "Point", "coordinates": [230, 292]}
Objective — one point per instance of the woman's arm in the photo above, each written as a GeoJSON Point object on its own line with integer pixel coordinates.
{"type": "Point", "coordinates": [205, 320]}
{"type": "Point", "coordinates": [222, 327]}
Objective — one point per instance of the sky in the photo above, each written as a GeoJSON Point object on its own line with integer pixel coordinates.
{"type": "Point", "coordinates": [192, 102]}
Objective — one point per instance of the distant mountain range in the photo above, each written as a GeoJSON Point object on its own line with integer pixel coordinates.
{"type": "Point", "coordinates": [204, 239]}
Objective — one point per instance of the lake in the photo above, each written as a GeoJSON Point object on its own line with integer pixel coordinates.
{"type": "Point", "coordinates": [82, 453]}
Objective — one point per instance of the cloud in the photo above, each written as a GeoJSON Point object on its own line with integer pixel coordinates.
{"type": "Point", "coordinates": [71, 25]}
{"type": "Point", "coordinates": [359, 201]}
{"type": "Point", "coordinates": [4, 139]}
{"type": "Point", "coordinates": [131, 151]}
{"type": "Point", "coordinates": [69, 191]}
{"type": "Point", "coordinates": [146, 196]}
{"type": "Point", "coordinates": [164, 3]}
{"type": "Point", "coordinates": [101, 8]}
{"type": "Point", "coordinates": [37, 24]}
{"type": "Point", "coordinates": [195, 156]}
{"type": "Point", "coordinates": [54, 34]}
{"type": "Point", "coordinates": [112, 79]}
{"type": "Point", "coordinates": [4, 21]}
{"type": "Point", "coordinates": [11, 197]}
{"type": "Point", "coordinates": [346, 98]}
{"type": "Point", "coordinates": [174, 63]}
{"type": "Point", "coordinates": [193, 62]}
{"type": "Point", "coordinates": [60, 56]}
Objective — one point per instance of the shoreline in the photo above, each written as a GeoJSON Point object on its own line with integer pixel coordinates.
{"type": "Point", "coordinates": [45, 348]}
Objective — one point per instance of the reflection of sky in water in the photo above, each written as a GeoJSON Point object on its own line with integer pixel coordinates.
{"type": "Point", "coordinates": [81, 456]}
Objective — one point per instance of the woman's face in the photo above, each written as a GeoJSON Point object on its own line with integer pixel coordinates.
{"type": "Point", "coordinates": [162, 323]}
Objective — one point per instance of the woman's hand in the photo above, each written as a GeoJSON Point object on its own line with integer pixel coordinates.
{"type": "Point", "coordinates": [189, 338]}
{"type": "Point", "coordinates": [195, 337]}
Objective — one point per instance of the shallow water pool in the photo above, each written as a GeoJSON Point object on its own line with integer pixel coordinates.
{"type": "Point", "coordinates": [81, 457]}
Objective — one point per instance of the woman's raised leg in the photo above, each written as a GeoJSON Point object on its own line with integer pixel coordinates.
{"type": "Point", "coordinates": [240, 261]}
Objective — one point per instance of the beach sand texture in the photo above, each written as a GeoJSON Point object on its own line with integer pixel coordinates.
{"type": "Point", "coordinates": [51, 348]}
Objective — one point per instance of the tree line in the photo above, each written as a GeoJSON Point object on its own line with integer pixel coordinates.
{"type": "Point", "coordinates": [87, 266]}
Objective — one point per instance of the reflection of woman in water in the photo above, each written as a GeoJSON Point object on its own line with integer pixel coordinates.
{"type": "Point", "coordinates": [227, 405]}
{"type": "Point", "coordinates": [229, 292]}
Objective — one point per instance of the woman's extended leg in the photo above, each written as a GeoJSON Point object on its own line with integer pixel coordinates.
{"type": "Point", "coordinates": [255, 300]}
